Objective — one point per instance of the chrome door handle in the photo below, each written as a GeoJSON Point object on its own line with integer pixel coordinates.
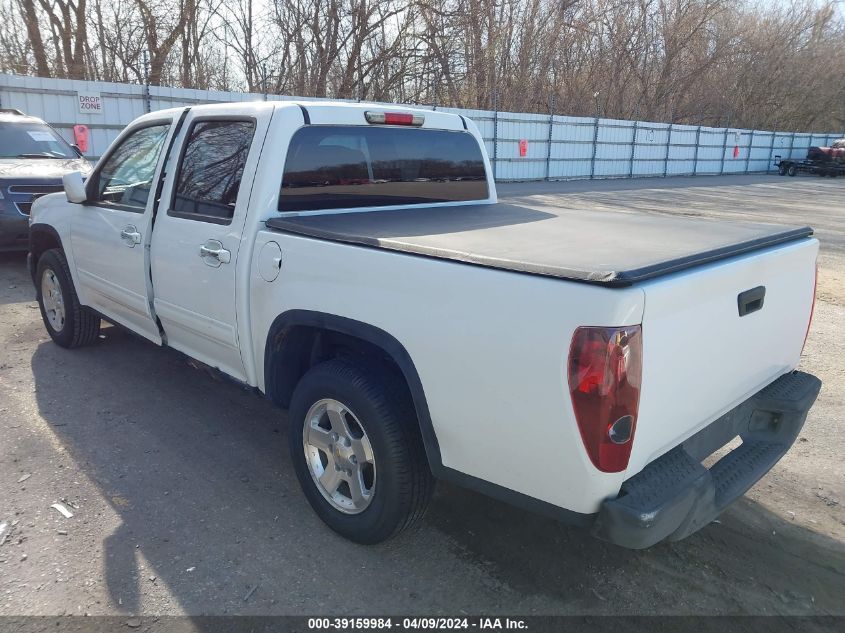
{"type": "Point", "coordinates": [130, 236]}
{"type": "Point", "coordinates": [213, 253]}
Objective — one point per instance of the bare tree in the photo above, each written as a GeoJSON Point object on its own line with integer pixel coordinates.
{"type": "Point", "coordinates": [749, 63]}
{"type": "Point", "coordinates": [33, 30]}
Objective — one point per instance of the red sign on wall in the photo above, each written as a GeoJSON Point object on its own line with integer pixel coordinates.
{"type": "Point", "coordinates": [80, 136]}
{"type": "Point", "coordinates": [523, 148]}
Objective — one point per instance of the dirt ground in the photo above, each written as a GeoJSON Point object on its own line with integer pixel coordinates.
{"type": "Point", "coordinates": [184, 502]}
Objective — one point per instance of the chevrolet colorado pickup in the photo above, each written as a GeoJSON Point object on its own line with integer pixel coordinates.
{"type": "Point", "coordinates": [351, 262]}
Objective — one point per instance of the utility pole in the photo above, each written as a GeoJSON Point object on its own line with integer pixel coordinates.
{"type": "Point", "coordinates": [148, 106]}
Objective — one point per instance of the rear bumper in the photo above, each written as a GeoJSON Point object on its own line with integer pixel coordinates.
{"type": "Point", "coordinates": [675, 495]}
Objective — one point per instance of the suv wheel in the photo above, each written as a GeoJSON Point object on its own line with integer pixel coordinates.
{"type": "Point", "coordinates": [68, 323]}
{"type": "Point", "coordinates": [357, 451]}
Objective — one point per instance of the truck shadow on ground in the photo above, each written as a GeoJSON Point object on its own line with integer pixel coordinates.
{"type": "Point", "coordinates": [196, 470]}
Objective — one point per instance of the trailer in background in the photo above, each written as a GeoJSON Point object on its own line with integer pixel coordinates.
{"type": "Point", "coordinates": [823, 161]}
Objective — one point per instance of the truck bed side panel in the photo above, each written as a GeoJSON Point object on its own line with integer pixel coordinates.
{"type": "Point", "coordinates": [490, 348]}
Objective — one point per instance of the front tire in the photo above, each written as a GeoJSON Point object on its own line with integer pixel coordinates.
{"type": "Point", "coordinates": [68, 323]}
{"type": "Point", "coordinates": [357, 451]}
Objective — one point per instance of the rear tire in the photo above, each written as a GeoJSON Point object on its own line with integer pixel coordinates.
{"type": "Point", "coordinates": [68, 323]}
{"type": "Point", "coordinates": [792, 170]}
{"type": "Point", "coordinates": [357, 451]}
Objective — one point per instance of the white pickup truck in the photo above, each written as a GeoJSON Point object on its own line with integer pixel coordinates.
{"type": "Point", "coordinates": [351, 262]}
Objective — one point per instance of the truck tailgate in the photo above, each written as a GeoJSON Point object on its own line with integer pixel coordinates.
{"type": "Point", "coordinates": [701, 358]}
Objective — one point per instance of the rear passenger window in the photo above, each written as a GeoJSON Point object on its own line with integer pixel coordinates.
{"type": "Point", "coordinates": [210, 173]}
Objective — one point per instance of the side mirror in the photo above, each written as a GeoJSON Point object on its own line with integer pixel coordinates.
{"type": "Point", "coordinates": [74, 187]}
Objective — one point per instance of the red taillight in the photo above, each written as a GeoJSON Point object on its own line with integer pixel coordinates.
{"type": "Point", "coordinates": [394, 118]}
{"type": "Point", "coordinates": [812, 307]}
{"type": "Point", "coordinates": [605, 372]}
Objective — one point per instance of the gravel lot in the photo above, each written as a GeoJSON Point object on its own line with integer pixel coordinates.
{"type": "Point", "coordinates": [183, 499]}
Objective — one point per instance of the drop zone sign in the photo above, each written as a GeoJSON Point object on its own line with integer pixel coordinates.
{"type": "Point", "coordinates": [90, 102]}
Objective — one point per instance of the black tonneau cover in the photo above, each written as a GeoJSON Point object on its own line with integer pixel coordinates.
{"type": "Point", "coordinates": [612, 248]}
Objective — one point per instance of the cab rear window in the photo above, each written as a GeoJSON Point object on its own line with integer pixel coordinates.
{"type": "Point", "coordinates": [337, 167]}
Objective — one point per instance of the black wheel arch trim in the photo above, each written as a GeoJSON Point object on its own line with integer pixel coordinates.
{"type": "Point", "coordinates": [375, 336]}
{"type": "Point", "coordinates": [34, 231]}
{"type": "Point", "coordinates": [400, 356]}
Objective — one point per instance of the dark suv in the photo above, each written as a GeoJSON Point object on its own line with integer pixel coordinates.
{"type": "Point", "coordinates": [33, 158]}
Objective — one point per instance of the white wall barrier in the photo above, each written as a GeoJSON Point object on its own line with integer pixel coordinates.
{"type": "Point", "coordinates": [555, 147]}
